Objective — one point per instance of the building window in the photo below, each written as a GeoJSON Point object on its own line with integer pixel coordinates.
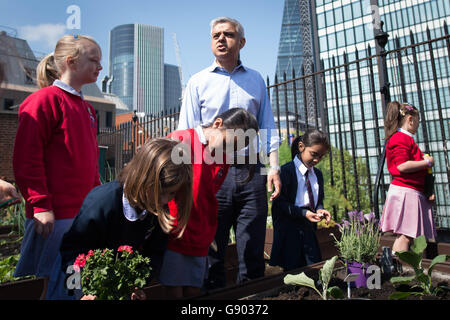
{"type": "Point", "coordinates": [30, 75]}
{"type": "Point", "coordinates": [347, 12]}
{"type": "Point", "coordinates": [8, 104]}
{"type": "Point", "coordinates": [330, 18]}
{"type": "Point", "coordinates": [321, 21]}
{"type": "Point", "coordinates": [109, 116]}
{"type": "Point", "coordinates": [338, 15]}
{"type": "Point", "coordinates": [323, 43]}
{"type": "Point", "coordinates": [356, 9]}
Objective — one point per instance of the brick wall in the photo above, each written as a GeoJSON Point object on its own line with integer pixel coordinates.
{"type": "Point", "coordinates": [8, 128]}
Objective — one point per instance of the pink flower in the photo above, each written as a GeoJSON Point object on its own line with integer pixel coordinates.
{"type": "Point", "coordinates": [90, 253]}
{"type": "Point", "coordinates": [125, 248]}
{"type": "Point", "coordinates": [80, 261]}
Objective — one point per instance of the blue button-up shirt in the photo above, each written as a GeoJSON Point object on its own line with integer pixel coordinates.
{"type": "Point", "coordinates": [214, 90]}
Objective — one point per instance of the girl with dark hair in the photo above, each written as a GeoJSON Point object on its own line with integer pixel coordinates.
{"type": "Point", "coordinates": [185, 260]}
{"type": "Point", "coordinates": [300, 204]}
{"type": "Point", "coordinates": [407, 211]}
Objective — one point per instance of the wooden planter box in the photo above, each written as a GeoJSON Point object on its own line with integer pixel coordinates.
{"type": "Point", "coordinates": [254, 289]}
{"type": "Point", "coordinates": [156, 292]}
{"type": "Point", "coordinates": [28, 289]}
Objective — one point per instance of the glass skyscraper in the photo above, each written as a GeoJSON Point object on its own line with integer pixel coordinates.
{"type": "Point", "coordinates": [136, 65]}
{"type": "Point", "coordinates": [172, 88]}
{"type": "Point", "coordinates": [350, 26]}
{"type": "Point", "coordinates": [295, 49]}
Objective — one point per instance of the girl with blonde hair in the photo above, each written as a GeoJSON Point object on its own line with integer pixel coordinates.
{"type": "Point", "coordinates": [55, 158]}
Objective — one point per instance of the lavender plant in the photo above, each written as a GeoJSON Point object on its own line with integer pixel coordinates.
{"type": "Point", "coordinates": [360, 237]}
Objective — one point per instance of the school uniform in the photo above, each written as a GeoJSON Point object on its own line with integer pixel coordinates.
{"type": "Point", "coordinates": [185, 260]}
{"type": "Point", "coordinates": [107, 220]}
{"type": "Point", "coordinates": [295, 244]}
{"type": "Point", "coordinates": [407, 210]}
{"type": "Point", "coordinates": [55, 164]}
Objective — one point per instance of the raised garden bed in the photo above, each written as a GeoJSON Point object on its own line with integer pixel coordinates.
{"type": "Point", "coordinates": [273, 287]}
{"type": "Point", "coordinates": [27, 289]}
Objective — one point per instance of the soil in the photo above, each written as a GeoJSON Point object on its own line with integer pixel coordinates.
{"type": "Point", "coordinates": [387, 288]}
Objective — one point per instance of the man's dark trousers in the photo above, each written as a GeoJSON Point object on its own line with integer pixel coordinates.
{"type": "Point", "coordinates": [242, 206]}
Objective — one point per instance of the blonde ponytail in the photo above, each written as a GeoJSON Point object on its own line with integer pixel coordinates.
{"type": "Point", "coordinates": [46, 71]}
{"type": "Point", "coordinates": [53, 65]}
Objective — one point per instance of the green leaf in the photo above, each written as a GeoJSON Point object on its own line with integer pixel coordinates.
{"type": "Point", "coordinates": [327, 271]}
{"type": "Point", "coordinates": [419, 245]}
{"type": "Point", "coordinates": [300, 279]}
{"type": "Point", "coordinates": [411, 258]}
{"type": "Point", "coordinates": [336, 292]}
{"type": "Point", "coordinates": [399, 295]}
{"type": "Point", "coordinates": [402, 280]}
{"type": "Point", "coordinates": [439, 259]}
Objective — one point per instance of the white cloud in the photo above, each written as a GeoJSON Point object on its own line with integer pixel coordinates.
{"type": "Point", "coordinates": [45, 34]}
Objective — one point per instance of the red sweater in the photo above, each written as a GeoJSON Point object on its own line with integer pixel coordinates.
{"type": "Point", "coordinates": [207, 180]}
{"type": "Point", "coordinates": [401, 148]}
{"type": "Point", "coordinates": [55, 157]}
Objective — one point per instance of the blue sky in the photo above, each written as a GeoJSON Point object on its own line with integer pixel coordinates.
{"type": "Point", "coordinates": [43, 22]}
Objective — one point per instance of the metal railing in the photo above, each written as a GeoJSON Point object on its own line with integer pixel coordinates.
{"type": "Point", "coordinates": [349, 108]}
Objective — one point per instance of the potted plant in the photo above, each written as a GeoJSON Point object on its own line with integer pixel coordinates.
{"type": "Point", "coordinates": [358, 244]}
{"type": "Point", "coordinates": [110, 275]}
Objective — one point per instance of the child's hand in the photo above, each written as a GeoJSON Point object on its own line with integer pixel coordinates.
{"type": "Point", "coordinates": [432, 198]}
{"type": "Point", "coordinates": [324, 214]}
{"type": "Point", "coordinates": [313, 217]}
{"type": "Point", "coordinates": [88, 297]}
{"type": "Point", "coordinates": [44, 223]}
{"type": "Point", "coordinates": [138, 294]}
{"type": "Point", "coordinates": [429, 158]}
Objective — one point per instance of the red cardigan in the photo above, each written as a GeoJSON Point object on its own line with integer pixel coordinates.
{"type": "Point", "coordinates": [55, 158]}
{"type": "Point", "coordinates": [401, 148]}
{"type": "Point", "coordinates": [207, 180]}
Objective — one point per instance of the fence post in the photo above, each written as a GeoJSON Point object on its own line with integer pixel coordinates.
{"type": "Point", "coordinates": [381, 40]}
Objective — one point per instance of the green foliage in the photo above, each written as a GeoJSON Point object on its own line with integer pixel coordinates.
{"type": "Point", "coordinates": [325, 275]}
{"type": "Point", "coordinates": [113, 276]}
{"type": "Point", "coordinates": [284, 153]}
{"type": "Point", "coordinates": [15, 216]}
{"type": "Point", "coordinates": [7, 268]}
{"type": "Point", "coordinates": [360, 238]}
{"type": "Point", "coordinates": [414, 259]}
{"type": "Point", "coordinates": [335, 195]}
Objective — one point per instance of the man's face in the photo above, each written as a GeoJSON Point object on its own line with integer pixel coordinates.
{"type": "Point", "coordinates": [226, 42]}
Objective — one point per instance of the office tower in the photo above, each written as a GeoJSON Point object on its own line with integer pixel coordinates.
{"type": "Point", "coordinates": [350, 26]}
{"type": "Point", "coordinates": [172, 88]}
{"type": "Point", "coordinates": [136, 65]}
{"type": "Point", "coordinates": [295, 57]}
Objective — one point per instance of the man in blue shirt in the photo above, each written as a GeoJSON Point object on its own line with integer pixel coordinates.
{"type": "Point", "coordinates": [224, 85]}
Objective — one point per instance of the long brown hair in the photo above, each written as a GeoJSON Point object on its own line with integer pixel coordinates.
{"type": "Point", "coordinates": [52, 66]}
{"type": "Point", "coordinates": [395, 115]}
{"type": "Point", "coordinates": [150, 173]}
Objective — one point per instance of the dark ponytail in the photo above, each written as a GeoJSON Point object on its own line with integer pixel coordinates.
{"type": "Point", "coordinates": [310, 138]}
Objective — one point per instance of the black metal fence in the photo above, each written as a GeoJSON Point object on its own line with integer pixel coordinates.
{"type": "Point", "coordinates": [349, 106]}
